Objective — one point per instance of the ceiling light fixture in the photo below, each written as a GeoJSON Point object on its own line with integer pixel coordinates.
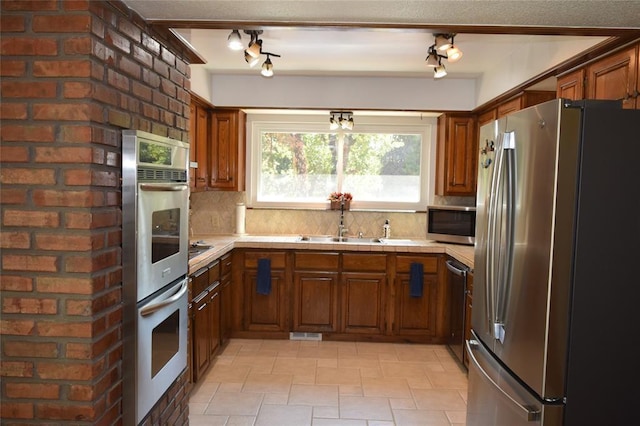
{"type": "Point", "coordinates": [442, 48]}
{"type": "Point", "coordinates": [341, 120]}
{"type": "Point", "coordinates": [254, 50]}
{"type": "Point", "coordinates": [234, 41]}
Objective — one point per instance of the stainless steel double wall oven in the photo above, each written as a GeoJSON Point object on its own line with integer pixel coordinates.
{"type": "Point", "coordinates": [155, 243]}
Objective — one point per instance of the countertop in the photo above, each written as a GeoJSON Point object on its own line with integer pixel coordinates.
{"type": "Point", "coordinates": [222, 244]}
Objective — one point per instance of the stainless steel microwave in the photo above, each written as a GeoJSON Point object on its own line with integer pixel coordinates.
{"type": "Point", "coordinates": [452, 224]}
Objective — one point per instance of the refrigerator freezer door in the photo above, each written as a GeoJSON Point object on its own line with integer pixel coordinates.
{"type": "Point", "coordinates": [497, 399]}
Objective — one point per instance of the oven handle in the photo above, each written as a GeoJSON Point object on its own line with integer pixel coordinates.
{"type": "Point", "coordinates": [165, 187]}
{"type": "Point", "coordinates": [149, 309]}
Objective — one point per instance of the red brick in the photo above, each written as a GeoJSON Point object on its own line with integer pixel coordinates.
{"type": "Point", "coordinates": [31, 263]}
{"type": "Point", "coordinates": [161, 68]}
{"type": "Point", "coordinates": [32, 390]}
{"type": "Point", "coordinates": [78, 350]}
{"type": "Point", "coordinates": [129, 67]}
{"type": "Point", "coordinates": [82, 155]}
{"type": "Point", "coordinates": [73, 112]}
{"type": "Point", "coordinates": [91, 263]}
{"type": "Point", "coordinates": [119, 118]}
{"type": "Point", "coordinates": [15, 283]}
{"type": "Point", "coordinates": [23, 305]}
{"type": "Point", "coordinates": [23, 349]}
{"type": "Point", "coordinates": [68, 242]}
{"type": "Point", "coordinates": [28, 176]}
{"type": "Point", "coordinates": [64, 285]}
{"type": "Point", "coordinates": [168, 87]}
{"type": "Point", "coordinates": [112, 159]}
{"type": "Point", "coordinates": [17, 327]}
{"type": "Point", "coordinates": [27, 133]}
{"type": "Point", "coordinates": [14, 154]}
{"type": "Point", "coordinates": [150, 111]}
{"type": "Point", "coordinates": [17, 410]}
{"type": "Point", "coordinates": [16, 369]}
{"type": "Point", "coordinates": [150, 43]}
{"type": "Point", "coordinates": [61, 23]}
{"type": "Point", "coordinates": [142, 56]}
{"type": "Point", "coordinates": [13, 111]}
{"type": "Point", "coordinates": [33, 219]}
{"type": "Point", "coordinates": [78, 307]}
{"type": "Point", "coordinates": [12, 68]}
{"type": "Point", "coordinates": [117, 41]}
{"type": "Point", "coordinates": [34, 5]}
{"type": "Point", "coordinates": [64, 329]}
{"type": "Point", "coordinates": [15, 240]}
{"type": "Point", "coordinates": [118, 80]}
{"type": "Point", "coordinates": [81, 393]}
{"type": "Point", "coordinates": [77, 68]}
{"type": "Point", "coordinates": [160, 100]}
{"type": "Point", "coordinates": [64, 411]}
{"type": "Point", "coordinates": [77, 90]}
{"type": "Point", "coordinates": [76, 5]}
{"type": "Point", "coordinates": [78, 46]}
{"type": "Point", "coordinates": [12, 23]}
{"type": "Point", "coordinates": [90, 177]}
{"type": "Point", "coordinates": [93, 307]}
{"type": "Point", "coordinates": [28, 89]}
{"type": "Point", "coordinates": [86, 220]}
{"type": "Point", "coordinates": [62, 198]}
{"type": "Point", "coordinates": [168, 57]}
{"type": "Point", "coordinates": [76, 134]}
{"type": "Point", "coordinates": [130, 29]}
{"type": "Point", "coordinates": [21, 46]}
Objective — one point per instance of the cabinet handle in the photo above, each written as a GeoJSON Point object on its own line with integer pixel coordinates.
{"type": "Point", "coordinates": [204, 305]}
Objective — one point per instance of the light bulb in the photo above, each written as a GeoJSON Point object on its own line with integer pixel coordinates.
{"type": "Point", "coordinates": [234, 41]}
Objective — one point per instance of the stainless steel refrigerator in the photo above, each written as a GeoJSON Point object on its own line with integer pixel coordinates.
{"type": "Point", "coordinates": [556, 296]}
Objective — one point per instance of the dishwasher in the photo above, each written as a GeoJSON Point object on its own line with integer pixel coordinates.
{"type": "Point", "coordinates": [457, 284]}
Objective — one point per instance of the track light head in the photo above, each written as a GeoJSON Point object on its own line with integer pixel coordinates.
{"type": "Point", "coordinates": [432, 57]}
{"type": "Point", "coordinates": [439, 71]}
{"type": "Point", "coordinates": [267, 68]}
{"type": "Point", "coordinates": [252, 61]}
{"type": "Point", "coordinates": [254, 49]}
{"type": "Point", "coordinates": [442, 42]}
{"type": "Point", "coordinates": [453, 54]}
{"type": "Point", "coordinates": [234, 41]}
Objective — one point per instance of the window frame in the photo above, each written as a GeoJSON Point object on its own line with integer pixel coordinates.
{"type": "Point", "coordinates": [257, 123]}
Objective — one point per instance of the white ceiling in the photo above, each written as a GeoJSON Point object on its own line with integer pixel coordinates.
{"type": "Point", "coordinates": [389, 38]}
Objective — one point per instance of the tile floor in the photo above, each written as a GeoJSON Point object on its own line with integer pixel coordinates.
{"type": "Point", "coordinates": [310, 383]}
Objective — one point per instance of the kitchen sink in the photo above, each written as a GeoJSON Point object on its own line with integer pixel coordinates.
{"type": "Point", "coordinates": [331, 239]}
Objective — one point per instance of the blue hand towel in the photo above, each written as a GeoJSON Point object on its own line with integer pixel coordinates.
{"type": "Point", "coordinates": [416, 272]}
{"type": "Point", "coordinates": [263, 286]}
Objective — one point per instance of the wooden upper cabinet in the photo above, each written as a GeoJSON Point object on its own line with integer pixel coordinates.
{"type": "Point", "coordinates": [198, 147]}
{"type": "Point", "coordinates": [456, 156]}
{"type": "Point", "coordinates": [487, 117]}
{"type": "Point", "coordinates": [524, 100]}
{"type": "Point", "coordinates": [615, 77]}
{"type": "Point", "coordinates": [571, 86]}
{"type": "Point", "coordinates": [227, 150]}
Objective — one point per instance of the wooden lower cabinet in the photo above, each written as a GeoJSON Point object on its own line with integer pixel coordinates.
{"type": "Point", "coordinates": [467, 315]}
{"type": "Point", "coordinates": [416, 315]}
{"type": "Point", "coordinates": [265, 312]}
{"type": "Point", "coordinates": [343, 295]}
{"type": "Point", "coordinates": [226, 298]}
{"type": "Point", "coordinates": [201, 313]}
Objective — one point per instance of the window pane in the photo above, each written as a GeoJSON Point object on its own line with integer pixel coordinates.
{"type": "Point", "coordinates": [382, 167]}
{"type": "Point", "coordinates": [297, 167]}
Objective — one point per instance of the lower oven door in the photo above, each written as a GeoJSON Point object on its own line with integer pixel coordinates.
{"type": "Point", "coordinates": [161, 344]}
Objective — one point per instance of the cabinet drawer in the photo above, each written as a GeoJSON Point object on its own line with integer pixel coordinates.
{"type": "Point", "coordinates": [214, 272]}
{"type": "Point", "coordinates": [364, 262]}
{"type": "Point", "coordinates": [199, 281]}
{"type": "Point", "coordinates": [277, 259]}
{"type": "Point", "coordinates": [429, 263]}
{"type": "Point", "coordinates": [225, 264]}
{"type": "Point", "coordinates": [317, 261]}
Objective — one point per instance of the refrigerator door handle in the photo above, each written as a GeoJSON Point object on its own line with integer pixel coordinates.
{"type": "Point", "coordinates": [531, 415]}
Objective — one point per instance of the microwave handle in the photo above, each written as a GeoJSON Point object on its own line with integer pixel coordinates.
{"type": "Point", "coordinates": [163, 187]}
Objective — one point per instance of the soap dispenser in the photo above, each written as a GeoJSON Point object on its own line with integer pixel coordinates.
{"type": "Point", "coordinates": [386, 229]}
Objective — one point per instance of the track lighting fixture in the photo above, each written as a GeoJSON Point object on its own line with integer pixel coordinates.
{"type": "Point", "coordinates": [234, 41]}
{"type": "Point", "coordinates": [341, 120]}
{"type": "Point", "coordinates": [442, 48]}
{"type": "Point", "coordinates": [253, 51]}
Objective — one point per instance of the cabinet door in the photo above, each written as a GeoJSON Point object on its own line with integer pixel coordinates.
{"type": "Point", "coordinates": [467, 315]}
{"type": "Point", "coordinates": [193, 129]}
{"type": "Point", "coordinates": [315, 301]}
{"type": "Point", "coordinates": [214, 322]}
{"type": "Point", "coordinates": [363, 302]}
{"type": "Point", "coordinates": [201, 336]}
{"type": "Point", "coordinates": [227, 150]}
{"type": "Point", "coordinates": [201, 146]}
{"type": "Point", "coordinates": [265, 312]}
{"type": "Point", "coordinates": [416, 315]}
{"type": "Point", "coordinates": [615, 77]}
{"type": "Point", "coordinates": [509, 107]}
{"type": "Point", "coordinates": [487, 117]}
{"type": "Point", "coordinates": [571, 86]}
{"type": "Point", "coordinates": [225, 298]}
{"type": "Point", "coordinates": [456, 166]}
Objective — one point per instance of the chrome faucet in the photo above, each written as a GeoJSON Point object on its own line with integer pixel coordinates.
{"type": "Point", "coordinates": [341, 229]}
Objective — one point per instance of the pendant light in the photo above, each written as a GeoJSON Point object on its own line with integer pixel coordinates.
{"type": "Point", "coordinates": [267, 68]}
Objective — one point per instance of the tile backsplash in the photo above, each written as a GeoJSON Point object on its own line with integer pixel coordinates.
{"type": "Point", "coordinates": [213, 212]}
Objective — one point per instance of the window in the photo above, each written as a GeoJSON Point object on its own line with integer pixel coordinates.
{"type": "Point", "coordinates": [298, 163]}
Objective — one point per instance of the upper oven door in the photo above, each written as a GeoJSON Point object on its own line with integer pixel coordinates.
{"type": "Point", "coordinates": [163, 240]}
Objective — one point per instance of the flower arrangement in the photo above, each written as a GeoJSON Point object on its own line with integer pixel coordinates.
{"type": "Point", "coordinates": [336, 198]}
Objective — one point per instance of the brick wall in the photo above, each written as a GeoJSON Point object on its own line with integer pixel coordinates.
{"type": "Point", "coordinates": [73, 74]}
